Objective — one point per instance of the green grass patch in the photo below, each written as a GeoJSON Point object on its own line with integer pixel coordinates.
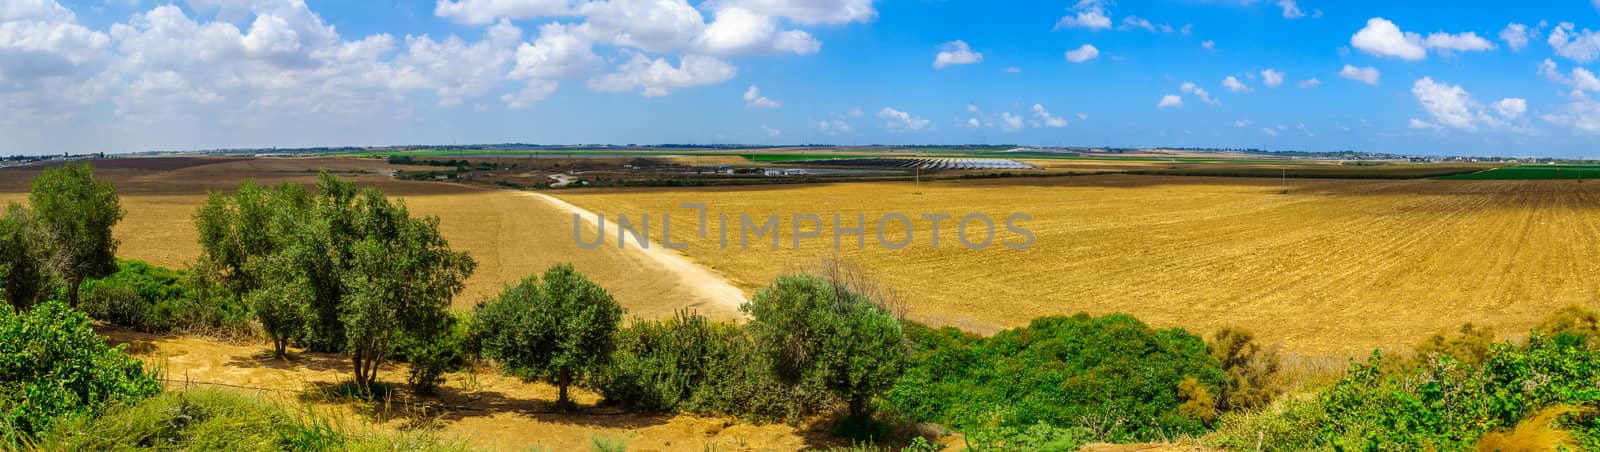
{"type": "Point", "coordinates": [1533, 172]}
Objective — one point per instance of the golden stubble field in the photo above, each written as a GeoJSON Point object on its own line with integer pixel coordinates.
{"type": "Point", "coordinates": [509, 235]}
{"type": "Point", "coordinates": [1334, 267]}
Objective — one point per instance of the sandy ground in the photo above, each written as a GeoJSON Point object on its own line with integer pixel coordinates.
{"type": "Point", "coordinates": [483, 409]}
{"type": "Point", "coordinates": [710, 290]}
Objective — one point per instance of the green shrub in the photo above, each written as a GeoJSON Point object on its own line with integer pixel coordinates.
{"type": "Point", "coordinates": [1113, 375]}
{"type": "Point", "coordinates": [560, 331]}
{"type": "Point", "coordinates": [431, 357]}
{"type": "Point", "coordinates": [54, 366]}
{"type": "Point", "coordinates": [820, 331]}
{"type": "Point", "coordinates": [157, 299]}
{"type": "Point", "coordinates": [1040, 437]}
{"type": "Point", "coordinates": [1441, 403]}
{"type": "Point", "coordinates": [209, 419]}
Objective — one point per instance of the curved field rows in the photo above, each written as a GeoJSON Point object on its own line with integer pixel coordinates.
{"type": "Point", "coordinates": [1333, 267]}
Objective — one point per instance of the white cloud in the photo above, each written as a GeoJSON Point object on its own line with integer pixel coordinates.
{"type": "Point", "coordinates": [1368, 75]}
{"type": "Point", "coordinates": [1209, 45]}
{"type": "Point", "coordinates": [955, 53]}
{"type": "Point", "coordinates": [1083, 116]}
{"type": "Point", "coordinates": [1241, 123]}
{"type": "Point", "coordinates": [771, 132]}
{"type": "Point", "coordinates": [809, 12]}
{"type": "Point", "coordinates": [557, 53]}
{"type": "Point", "coordinates": [737, 31]}
{"type": "Point", "coordinates": [1013, 70]}
{"type": "Point", "coordinates": [1082, 54]}
{"type": "Point", "coordinates": [973, 123]}
{"type": "Point", "coordinates": [1381, 37]}
{"type": "Point", "coordinates": [1049, 121]}
{"type": "Point", "coordinates": [1581, 46]}
{"type": "Point", "coordinates": [1136, 22]}
{"type": "Point", "coordinates": [1421, 125]}
{"type": "Point", "coordinates": [1089, 14]}
{"type": "Point", "coordinates": [1271, 78]}
{"type": "Point", "coordinates": [1170, 101]}
{"type": "Point", "coordinates": [1196, 91]}
{"type": "Point", "coordinates": [1268, 131]}
{"type": "Point", "coordinates": [1581, 78]}
{"type": "Point", "coordinates": [854, 112]}
{"type": "Point", "coordinates": [1309, 83]}
{"type": "Point", "coordinates": [1516, 35]}
{"type": "Point", "coordinates": [834, 127]}
{"type": "Point", "coordinates": [486, 11]}
{"type": "Point", "coordinates": [654, 78]}
{"type": "Point", "coordinates": [754, 99]}
{"type": "Point", "coordinates": [1582, 115]}
{"type": "Point", "coordinates": [1010, 122]}
{"type": "Point", "coordinates": [656, 26]}
{"type": "Point", "coordinates": [1459, 42]}
{"type": "Point", "coordinates": [535, 91]}
{"type": "Point", "coordinates": [897, 121]}
{"type": "Point", "coordinates": [1291, 10]}
{"type": "Point", "coordinates": [1453, 107]}
{"type": "Point", "coordinates": [1511, 108]}
{"type": "Point", "coordinates": [1233, 84]}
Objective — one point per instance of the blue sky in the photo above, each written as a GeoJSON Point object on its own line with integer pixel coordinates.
{"type": "Point", "coordinates": [1453, 77]}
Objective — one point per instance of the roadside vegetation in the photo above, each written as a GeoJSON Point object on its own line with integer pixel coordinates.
{"type": "Point", "coordinates": [350, 271]}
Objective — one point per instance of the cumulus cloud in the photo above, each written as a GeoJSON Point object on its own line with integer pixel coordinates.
{"type": "Point", "coordinates": [1081, 54]}
{"type": "Point", "coordinates": [657, 77]}
{"type": "Point", "coordinates": [557, 53]}
{"type": "Point", "coordinates": [1170, 101]}
{"type": "Point", "coordinates": [1046, 119]}
{"type": "Point", "coordinates": [808, 12]}
{"type": "Point", "coordinates": [737, 31]}
{"type": "Point", "coordinates": [1582, 115]}
{"type": "Point", "coordinates": [1368, 75]}
{"type": "Point", "coordinates": [754, 99]}
{"type": "Point", "coordinates": [1383, 38]}
{"type": "Point", "coordinates": [1577, 45]}
{"type": "Point", "coordinates": [955, 53]}
{"type": "Point", "coordinates": [487, 11]}
{"type": "Point", "coordinates": [1010, 122]}
{"type": "Point", "coordinates": [834, 126]}
{"type": "Point", "coordinates": [897, 121]}
{"type": "Point", "coordinates": [1453, 107]}
{"type": "Point", "coordinates": [1291, 10]}
{"type": "Point", "coordinates": [1309, 83]}
{"type": "Point", "coordinates": [1233, 84]}
{"type": "Point", "coordinates": [1087, 14]}
{"type": "Point", "coordinates": [1517, 35]}
{"type": "Point", "coordinates": [1271, 78]}
{"type": "Point", "coordinates": [1209, 45]}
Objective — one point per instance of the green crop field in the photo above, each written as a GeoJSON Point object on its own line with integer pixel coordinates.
{"type": "Point", "coordinates": [1522, 172]}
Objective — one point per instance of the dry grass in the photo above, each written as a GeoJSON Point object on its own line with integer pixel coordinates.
{"type": "Point", "coordinates": [1334, 267]}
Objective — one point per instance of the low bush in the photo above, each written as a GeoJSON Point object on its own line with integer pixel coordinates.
{"type": "Point", "coordinates": [690, 364]}
{"type": "Point", "coordinates": [209, 419]}
{"type": "Point", "coordinates": [1114, 376]}
{"type": "Point", "coordinates": [431, 357]}
{"type": "Point", "coordinates": [1441, 403]}
{"type": "Point", "coordinates": [53, 366]}
{"type": "Point", "coordinates": [157, 299]}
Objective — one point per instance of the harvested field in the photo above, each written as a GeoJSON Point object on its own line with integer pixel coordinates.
{"type": "Point", "coordinates": [510, 235]}
{"type": "Point", "coordinates": [1334, 267]}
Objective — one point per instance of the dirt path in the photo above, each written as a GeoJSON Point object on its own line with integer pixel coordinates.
{"type": "Point", "coordinates": [707, 286]}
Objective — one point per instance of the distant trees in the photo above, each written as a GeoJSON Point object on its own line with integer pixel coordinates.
{"type": "Point", "coordinates": [74, 213]}
{"type": "Point", "coordinates": [820, 330]}
{"type": "Point", "coordinates": [553, 331]}
{"type": "Point", "coordinates": [344, 270]}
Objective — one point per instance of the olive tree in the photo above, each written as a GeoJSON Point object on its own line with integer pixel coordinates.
{"type": "Point", "coordinates": [552, 331]}
{"type": "Point", "coordinates": [398, 283]}
{"type": "Point", "coordinates": [820, 331]}
{"type": "Point", "coordinates": [75, 213]}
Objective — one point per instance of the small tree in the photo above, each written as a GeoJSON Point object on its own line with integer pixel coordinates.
{"type": "Point", "coordinates": [818, 330]}
{"type": "Point", "coordinates": [280, 305]}
{"type": "Point", "coordinates": [20, 279]}
{"type": "Point", "coordinates": [1252, 370]}
{"type": "Point", "coordinates": [398, 283]}
{"type": "Point", "coordinates": [552, 331]}
{"type": "Point", "coordinates": [75, 212]}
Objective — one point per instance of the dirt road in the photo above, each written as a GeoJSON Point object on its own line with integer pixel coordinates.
{"type": "Point", "coordinates": [710, 289]}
